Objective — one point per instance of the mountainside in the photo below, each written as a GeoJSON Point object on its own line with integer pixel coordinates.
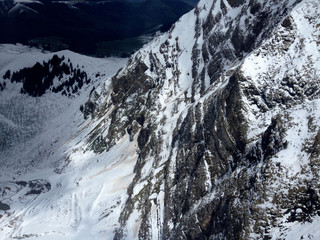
{"type": "Point", "coordinates": [210, 131]}
{"type": "Point", "coordinates": [228, 142]}
{"type": "Point", "coordinates": [100, 28]}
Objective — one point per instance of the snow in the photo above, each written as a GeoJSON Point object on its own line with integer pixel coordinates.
{"type": "Point", "coordinates": [297, 135]}
{"type": "Point", "coordinates": [265, 68]}
{"type": "Point", "coordinates": [18, 112]}
{"type": "Point", "coordinates": [27, 1]}
{"type": "Point", "coordinates": [208, 183]}
{"type": "Point", "coordinates": [269, 64]}
{"type": "Point", "coordinates": [296, 230]}
{"type": "Point", "coordinates": [87, 190]}
{"type": "Point", "coordinates": [20, 8]}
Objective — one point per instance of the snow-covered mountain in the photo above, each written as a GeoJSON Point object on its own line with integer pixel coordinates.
{"type": "Point", "coordinates": [210, 131]}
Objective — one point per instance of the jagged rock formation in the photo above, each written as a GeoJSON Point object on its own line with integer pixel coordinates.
{"type": "Point", "coordinates": [224, 109]}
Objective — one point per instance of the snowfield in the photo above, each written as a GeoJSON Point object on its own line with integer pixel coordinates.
{"type": "Point", "coordinates": [45, 146]}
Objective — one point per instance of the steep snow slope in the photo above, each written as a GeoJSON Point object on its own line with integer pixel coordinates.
{"type": "Point", "coordinates": [209, 132]}
{"type": "Point", "coordinates": [226, 106]}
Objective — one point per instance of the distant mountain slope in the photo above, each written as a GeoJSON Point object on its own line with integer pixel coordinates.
{"type": "Point", "coordinates": [86, 26]}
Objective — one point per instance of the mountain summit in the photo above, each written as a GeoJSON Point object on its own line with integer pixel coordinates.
{"type": "Point", "coordinates": [210, 131]}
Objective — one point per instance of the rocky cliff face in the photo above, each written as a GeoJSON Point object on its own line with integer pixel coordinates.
{"type": "Point", "coordinates": [225, 110]}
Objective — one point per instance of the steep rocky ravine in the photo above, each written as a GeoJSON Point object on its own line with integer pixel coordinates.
{"type": "Point", "coordinates": [226, 110]}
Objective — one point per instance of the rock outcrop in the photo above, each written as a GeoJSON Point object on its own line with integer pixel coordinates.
{"type": "Point", "coordinates": [228, 141]}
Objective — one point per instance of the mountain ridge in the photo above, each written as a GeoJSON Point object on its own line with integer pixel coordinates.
{"type": "Point", "coordinates": [98, 28]}
{"type": "Point", "coordinates": [231, 131]}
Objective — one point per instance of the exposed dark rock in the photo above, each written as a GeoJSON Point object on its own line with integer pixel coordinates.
{"type": "Point", "coordinates": [273, 138]}
{"type": "Point", "coordinates": [38, 187]}
{"type": "Point", "coordinates": [254, 6]}
{"type": "Point", "coordinates": [208, 25]}
{"type": "Point", "coordinates": [22, 183]}
{"type": "Point", "coordinates": [213, 178]}
{"type": "Point", "coordinates": [210, 142]}
{"type": "Point", "coordinates": [140, 119]}
{"type": "Point", "coordinates": [305, 203]}
{"type": "Point", "coordinates": [235, 3]}
{"type": "Point", "coordinates": [143, 137]}
{"type": "Point", "coordinates": [2, 86]}
{"type": "Point", "coordinates": [315, 150]}
{"type": "Point", "coordinates": [89, 109]}
{"type": "Point", "coordinates": [287, 23]}
{"type": "Point", "coordinates": [135, 80]}
{"type": "Point", "coordinates": [223, 7]}
{"type": "Point", "coordinates": [132, 129]}
{"type": "Point", "coordinates": [4, 207]}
